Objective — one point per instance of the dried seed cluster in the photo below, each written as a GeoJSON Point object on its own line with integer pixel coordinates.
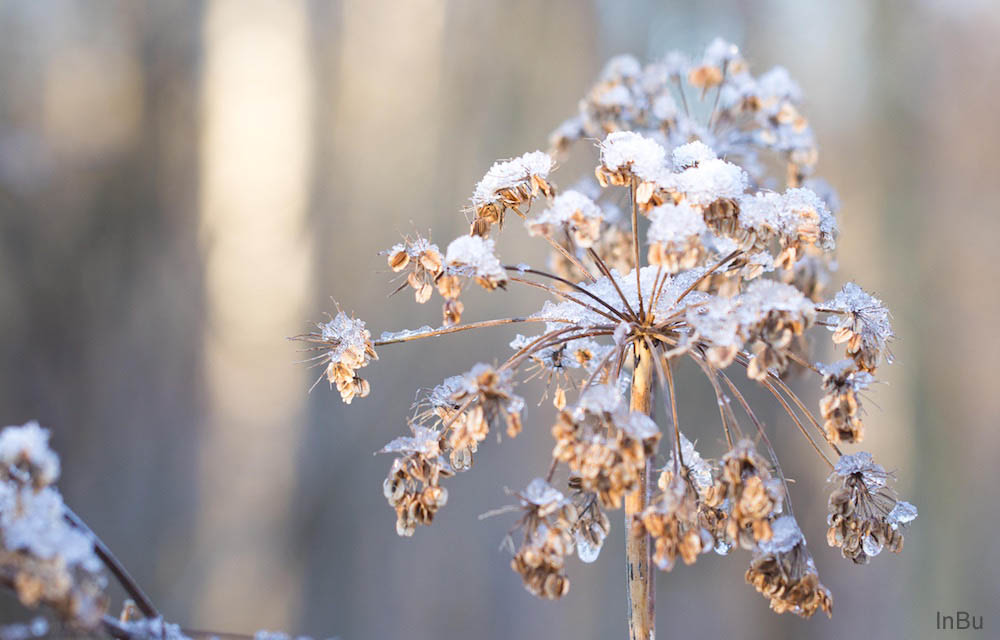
{"type": "Point", "coordinates": [738, 266]}
{"type": "Point", "coordinates": [865, 516]}
{"type": "Point", "coordinates": [604, 444]}
{"type": "Point", "coordinates": [548, 523]}
{"type": "Point", "coordinates": [44, 559]}
{"type": "Point", "coordinates": [783, 571]}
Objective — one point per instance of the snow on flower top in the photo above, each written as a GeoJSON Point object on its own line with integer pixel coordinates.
{"type": "Point", "coordinates": [511, 175]}
{"type": "Point", "coordinates": [846, 370]}
{"type": "Point", "coordinates": [424, 441]}
{"type": "Point", "coordinates": [709, 181]}
{"type": "Point", "coordinates": [862, 463]}
{"type": "Point", "coordinates": [863, 324]}
{"type": "Point", "coordinates": [473, 256]}
{"type": "Point", "coordinates": [624, 151]}
{"type": "Point", "coordinates": [540, 493]}
{"type": "Point", "coordinates": [691, 154]}
{"type": "Point", "coordinates": [28, 446]}
{"type": "Point", "coordinates": [672, 223]}
{"type": "Point", "coordinates": [601, 398]}
{"type": "Point", "coordinates": [45, 557]}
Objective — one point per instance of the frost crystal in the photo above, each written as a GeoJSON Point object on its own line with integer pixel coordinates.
{"type": "Point", "coordinates": [785, 534]}
{"type": "Point", "coordinates": [424, 442]}
{"type": "Point", "coordinates": [586, 550]}
{"type": "Point", "coordinates": [541, 493]}
{"type": "Point", "coordinates": [873, 474]}
{"type": "Point", "coordinates": [853, 299]}
{"type": "Point", "coordinates": [901, 514]}
{"type": "Point", "coordinates": [700, 471]}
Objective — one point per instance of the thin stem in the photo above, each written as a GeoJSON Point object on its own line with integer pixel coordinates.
{"type": "Point", "coordinates": [456, 329]}
{"type": "Point", "coordinates": [570, 284]}
{"type": "Point", "coordinates": [639, 579]}
{"type": "Point", "coordinates": [684, 101]}
{"type": "Point", "coordinates": [563, 294]}
{"type": "Point", "coordinates": [797, 422]}
{"type": "Point", "coordinates": [600, 366]}
{"type": "Point", "coordinates": [701, 279]}
{"type": "Point", "coordinates": [673, 412]}
{"type": "Point", "coordinates": [635, 246]}
{"type": "Point", "coordinates": [116, 568]}
{"type": "Point", "coordinates": [767, 441]}
{"type": "Point", "coordinates": [718, 94]}
{"type": "Point", "coordinates": [566, 254]}
{"type": "Point", "coordinates": [603, 268]}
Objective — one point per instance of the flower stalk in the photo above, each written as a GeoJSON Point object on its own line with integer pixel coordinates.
{"type": "Point", "coordinates": [640, 584]}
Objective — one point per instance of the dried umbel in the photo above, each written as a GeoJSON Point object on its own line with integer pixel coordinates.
{"type": "Point", "coordinates": [346, 346]}
{"type": "Point", "coordinates": [421, 261]}
{"type": "Point", "coordinates": [840, 407]}
{"type": "Point", "coordinates": [547, 526]}
{"type": "Point", "coordinates": [43, 558]}
{"type": "Point", "coordinates": [865, 516]}
{"type": "Point", "coordinates": [413, 484]}
{"type": "Point", "coordinates": [509, 184]}
{"type": "Point", "coordinates": [604, 445]}
{"type": "Point", "coordinates": [783, 571]}
{"type": "Point", "coordinates": [754, 495]}
{"type": "Point", "coordinates": [728, 272]}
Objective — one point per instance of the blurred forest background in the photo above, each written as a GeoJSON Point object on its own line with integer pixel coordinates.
{"type": "Point", "coordinates": [184, 184]}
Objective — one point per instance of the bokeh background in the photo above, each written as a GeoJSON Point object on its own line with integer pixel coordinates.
{"type": "Point", "coordinates": [183, 184]}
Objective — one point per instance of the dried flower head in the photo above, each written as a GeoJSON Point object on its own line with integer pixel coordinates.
{"type": "Point", "coordinates": [547, 523]}
{"type": "Point", "coordinates": [783, 571]}
{"type": "Point", "coordinates": [509, 184]}
{"type": "Point", "coordinates": [865, 516]}
{"type": "Point", "coordinates": [738, 260]}
{"type": "Point", "coordinates": [43, 558]}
